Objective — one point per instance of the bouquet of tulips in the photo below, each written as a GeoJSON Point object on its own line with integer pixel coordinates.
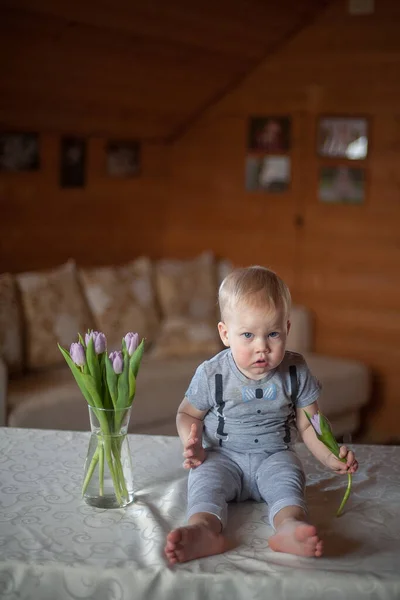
{"type": "Point", "coordinates": [324, 433]}
{"type": "Point", "coordinates": [108, 382]}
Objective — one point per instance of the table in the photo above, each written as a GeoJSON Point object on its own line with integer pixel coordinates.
{"type": "Point", "coordinates": [55, 547]}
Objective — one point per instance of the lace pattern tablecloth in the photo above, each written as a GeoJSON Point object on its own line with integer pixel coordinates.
{"type": "Point", "coordinates": [55, 547]}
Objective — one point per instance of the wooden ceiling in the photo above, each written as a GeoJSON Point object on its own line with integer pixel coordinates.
{"type": "Point", "coordinates": [126, 68]}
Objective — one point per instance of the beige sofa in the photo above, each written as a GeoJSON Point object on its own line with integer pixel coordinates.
{"type": "Point", "coordinates": [180, 338]}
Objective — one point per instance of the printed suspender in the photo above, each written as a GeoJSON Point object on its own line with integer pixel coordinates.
{"type": "Point", "coordinates": [220, 434]}
{"type": "Point", "coordinates": [294, 386]}
{"type": "Point", "coordinates": [294, 389]}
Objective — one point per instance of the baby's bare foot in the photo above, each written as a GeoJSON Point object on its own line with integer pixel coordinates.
{"type": "Point", "coordinates": [296, 537]}
{"type": "Point", "coordinates": [193, 541]}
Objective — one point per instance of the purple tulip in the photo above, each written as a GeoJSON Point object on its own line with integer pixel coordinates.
{"type": "Point", "coordinates": [99, 341]}
{"type": "Point", "coordinates": [117, 361]}
{"type": "Point", "coordinates": [132, 342]}
{"type": "Point", "coordinates": [89, 335]}
{"type": "Point", "coordinates": [77, 353]}
{"type": "Point", "coordinates": [316, 423]}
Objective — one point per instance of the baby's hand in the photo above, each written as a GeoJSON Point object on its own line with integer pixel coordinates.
{"type": "Point", "coordinates": [350, 466]}
{"type": "Point", "coordinates": [193, 450]}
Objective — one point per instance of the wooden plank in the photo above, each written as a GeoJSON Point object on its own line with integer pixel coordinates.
{"type": "Point", "coordinates": [240, 29]}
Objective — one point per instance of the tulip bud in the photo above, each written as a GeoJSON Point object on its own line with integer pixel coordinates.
{"type": "Point", "coordinates": [117, 361]}
{"type": "Point", "coordinates": [89, 335]}
{"type": "Point", "coordinates": [99, 341]}
{"type": "Point", "coordinates": [315, 422]}
{"type": "Point", "coordinates": [77, 353]}
{"type": "Point", "coordinates": [132, 342]}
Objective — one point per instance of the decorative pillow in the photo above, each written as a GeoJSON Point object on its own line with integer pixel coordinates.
{"type": "Point", "coordinates": [122, 299]}
{"type": "Point", "coordinates": [184, 337]}
{"type": "Point", "coordinates": [10, 325]}
{"type": "Point", "coordinates": [187, 293]}
{"type": "Point", "coordinates": [54, 310]}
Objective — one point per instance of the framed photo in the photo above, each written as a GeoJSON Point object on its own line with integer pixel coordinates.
{"type": "Point", "coordinates": [269, 134]}
{"type": "Point", "coordinates": [341, 185]}
{"type": "Point", "coordinates": [123, 158]}
{"type": "Point", "coordinates": [268, 173]}
{"type": "Point", "coordinates": [73, 162]}
{"type": "Point", "coordinates": [341, 137]}
{"type": "Point", "coordinates": [19, 152]}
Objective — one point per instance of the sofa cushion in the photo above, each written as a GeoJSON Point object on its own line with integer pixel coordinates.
{"type": "Point", "coordinates": [345, 383]}
{"type": "Point", "coordinates": [187, 293]}
{"type": "Point", "coordinates": [54, 310]}
{"type": "Point", "coordinates": [122, 299]}
{"type": "Point", "coordinates": [10, 325]}
{"type": "Point", "coordinates": [52, 400]}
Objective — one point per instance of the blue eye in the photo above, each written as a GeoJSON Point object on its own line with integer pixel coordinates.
{"type": "Point", "coordinates": [247, 335]}
{"type": "Point", "coordinates": [274, 334]}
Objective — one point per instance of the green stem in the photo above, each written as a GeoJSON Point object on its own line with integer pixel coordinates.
{"type": "Point", "coordinates": [109, 458]}
{"type": "Point", "coordinates": [117, 445]}
{"type": "Point", "coordinates": [347, 494]}
{"type": "Point", "coordinates": [101, 468]}
{"type": "Point", "coordinates": [90, 471]}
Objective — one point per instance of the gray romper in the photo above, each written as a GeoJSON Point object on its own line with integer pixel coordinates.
{"type": "Point", "coordinates": [249, 431]}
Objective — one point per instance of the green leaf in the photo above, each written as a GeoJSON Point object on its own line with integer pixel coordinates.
{"type": "Point", "coordinates": [81, 340]}
{"type": "Point", "coordinates": [91, 386]}
{"type": "Point", "coordinates": [102, 363]}
{"type": "Point", "coordinates": [112, 381]}
{"type": "Point", "coordinates": [104, 387]}
{"type": "Point", "coordinates": [132, 386]}
{"type": "Point", "coordinates": [108, 403]}
{"type": "Point", "coordinates": [77, 375]}
{"type": "Point", "coordinates": [327, 435]}
{"type": "Point", "coordinates": [332, 445]}
{"type": "Point", "coordinates": [324, 424]}
{"type": "Point", "coordinates": [135, 360]}
{"type": "Point", "coordinates": [93, 364]}
{"type": "Point", "coordinates": [123, 383]}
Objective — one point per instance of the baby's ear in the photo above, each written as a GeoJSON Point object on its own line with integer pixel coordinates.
{"type": "Point", "coordinates": [223, 333]}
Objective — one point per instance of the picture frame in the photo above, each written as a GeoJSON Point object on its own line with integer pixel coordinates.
{"type": "Point", "coordinates": [123, 158]}
{"type": "Point", "coordinates": [72, 162]}
{"type": "Point", "coordinates": [19, 151]}
{"type": "Point", "coordinates": [269, 134]}
{"type": "Point", "coordinates": [341, 184]}
{"type": "Point", "coordinates": [269, 173]}
{"type": "Point", "coordinates": [343, 137]}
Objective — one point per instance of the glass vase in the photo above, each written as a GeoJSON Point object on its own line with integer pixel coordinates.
{"type": "Point", "coordinates": [108, 478]}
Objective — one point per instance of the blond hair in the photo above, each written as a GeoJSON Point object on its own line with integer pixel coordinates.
{"type": "Point", "coordinates": [253, 285]}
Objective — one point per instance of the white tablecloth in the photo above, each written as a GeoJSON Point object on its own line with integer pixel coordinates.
{"type": "Point", "coordinates": [55, 547]}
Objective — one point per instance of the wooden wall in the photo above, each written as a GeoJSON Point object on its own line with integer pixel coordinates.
{"type": "Point", "coordinates": [119, 70]}
{"type": "Point", "coordinates": [342, 261]}
{"type": "Point", "coordinates": [109, 220]}
{"type": "Point", "coordinates": [61, 77]}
